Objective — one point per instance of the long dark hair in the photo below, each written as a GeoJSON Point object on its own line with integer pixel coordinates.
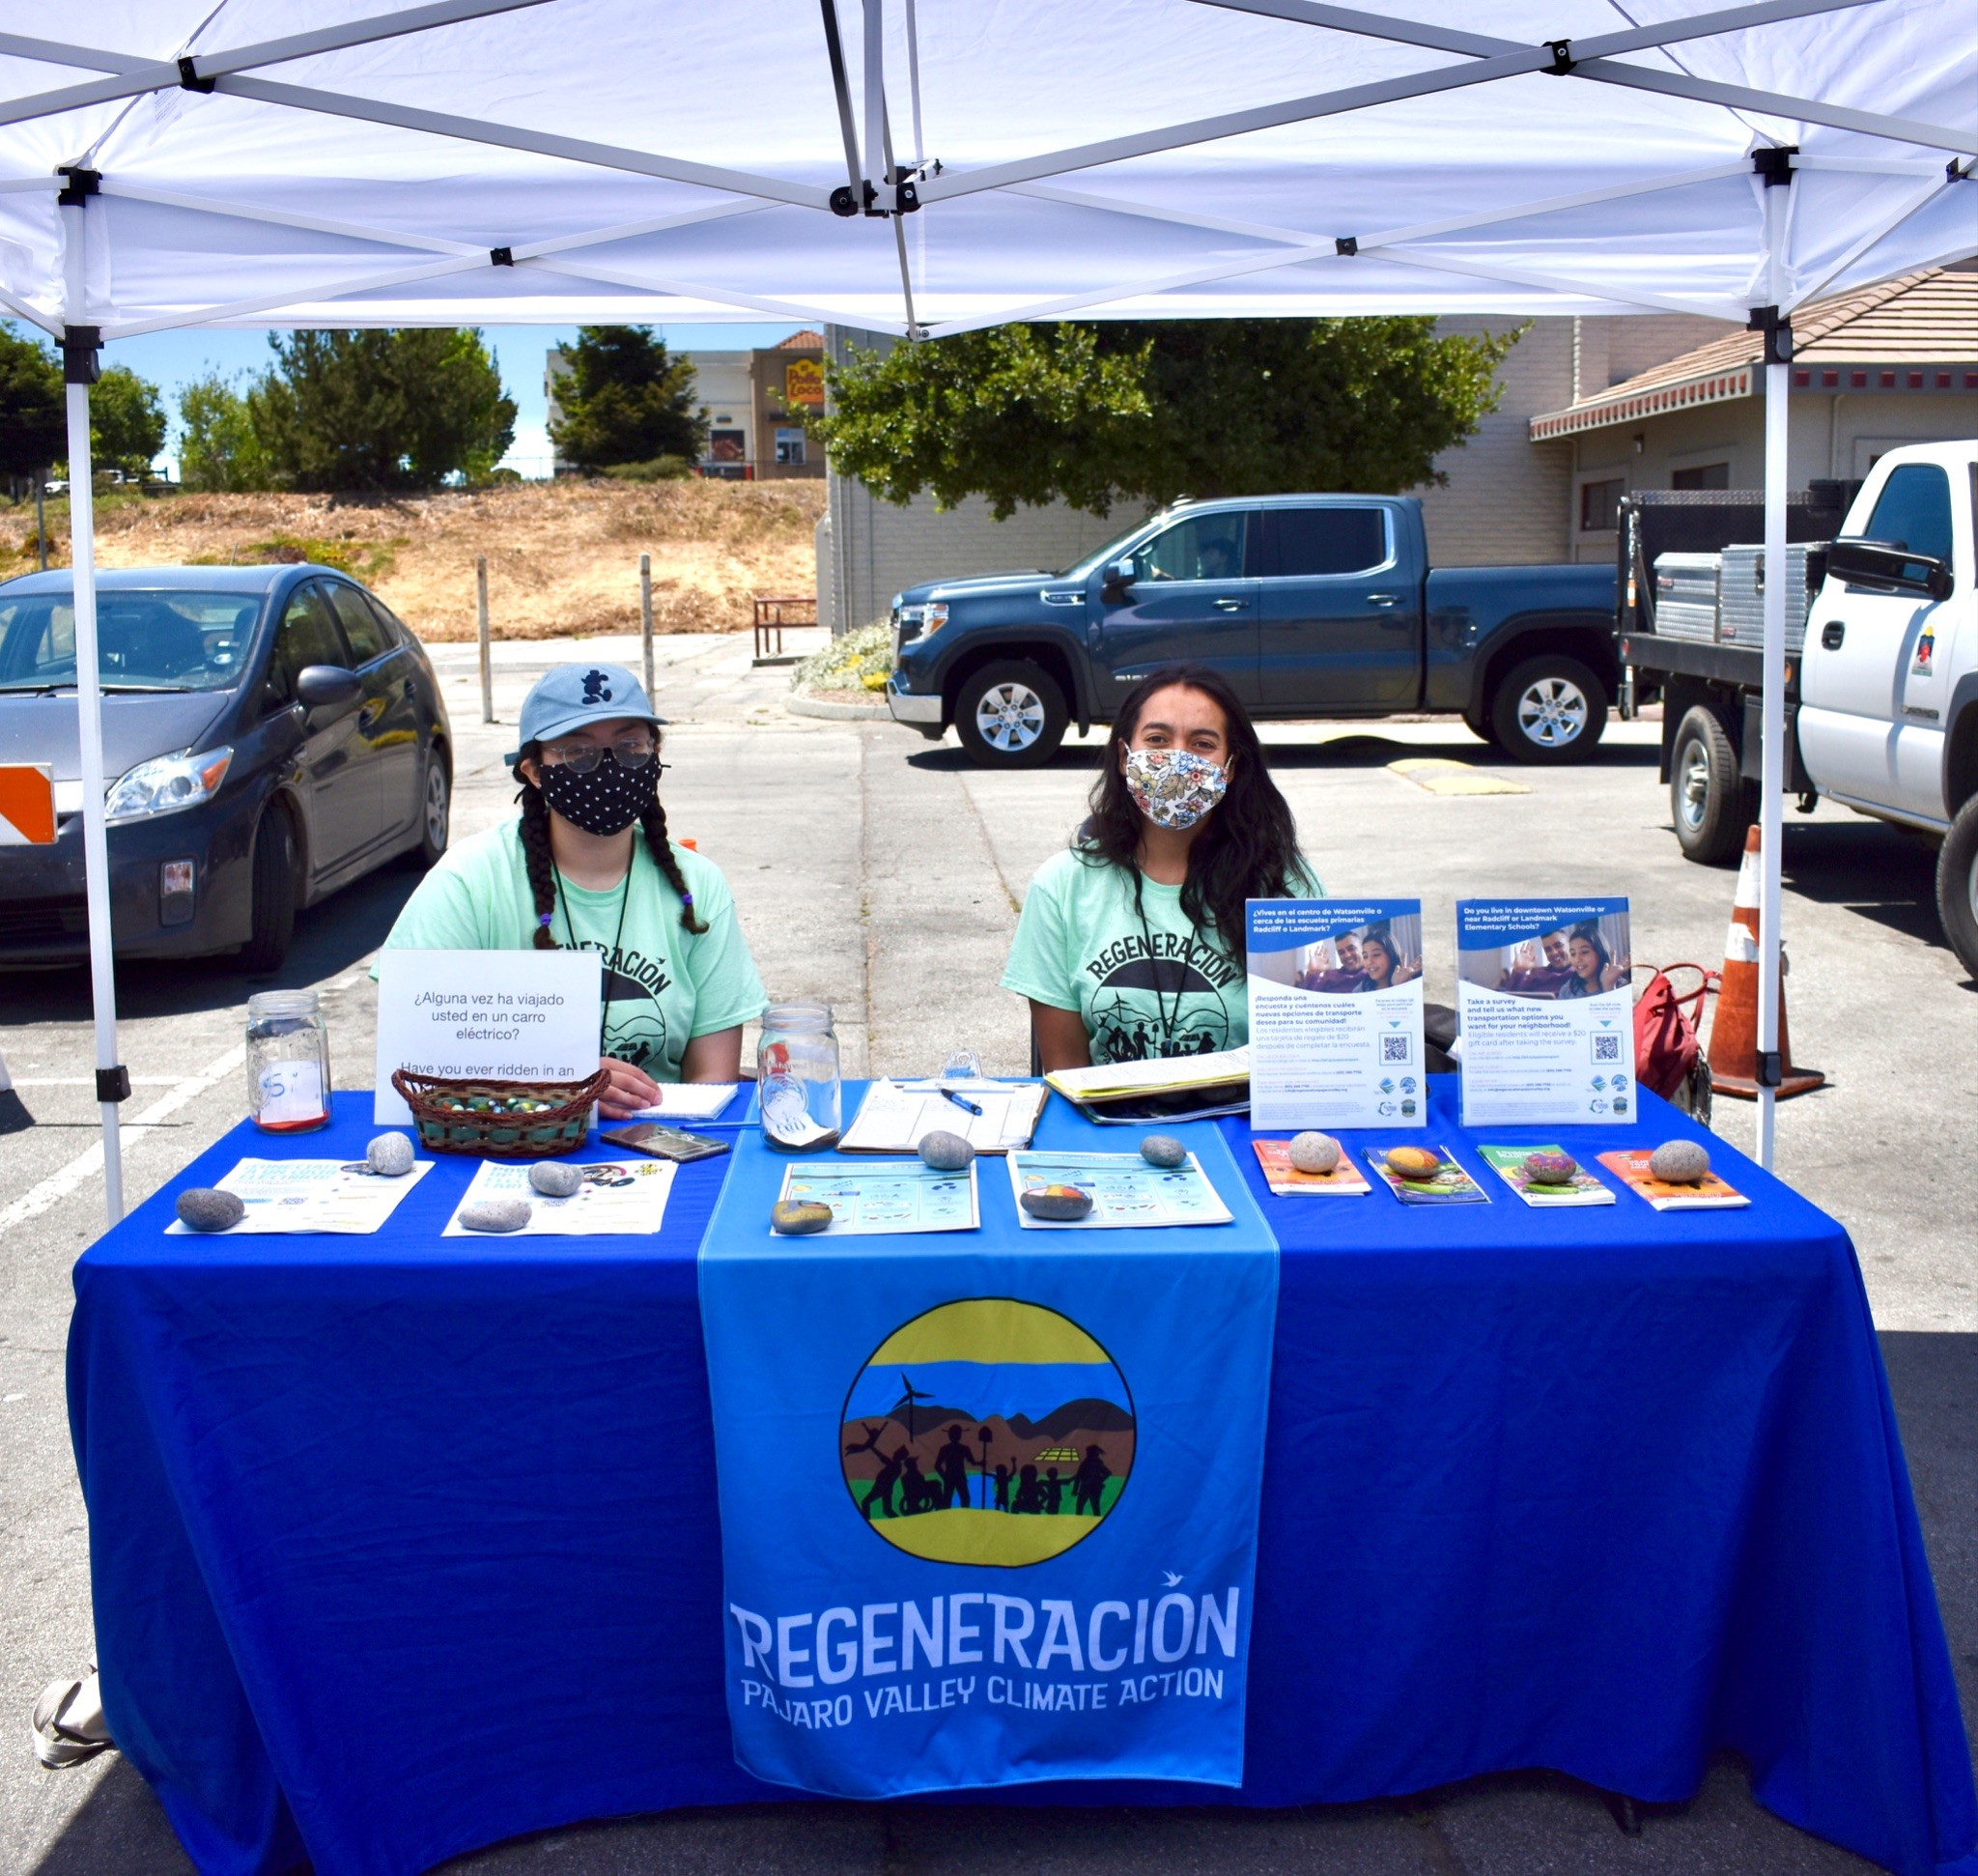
{"type": "Point", "coordinates": [1247, 849]}
{"type": "Point", "coordinates": [542, 868]}
{"type": "Point", "coordinates": [1591, 934]}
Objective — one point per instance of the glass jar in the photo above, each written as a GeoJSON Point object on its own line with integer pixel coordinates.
{"type": "Point", "coordinates": [287, 1062]}
{"type": "Point", "coordinates": [797, 1077]}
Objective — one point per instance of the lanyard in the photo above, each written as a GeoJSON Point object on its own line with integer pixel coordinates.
{"type": "Point", "coordinates": [611, 961]}
{"type": "Point", "coordinates": [1169, 1024]}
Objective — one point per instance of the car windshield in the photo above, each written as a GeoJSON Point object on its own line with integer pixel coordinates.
{"type": "Point", "coordinates": [147, 641]}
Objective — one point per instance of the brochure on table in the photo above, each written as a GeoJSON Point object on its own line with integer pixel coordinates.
{"type": "Point", "coordinates": [499, 1015]}
{"type": "Point", "coordinates": [1125, 1190]}
{"type": "Point", "coordinates": [619, 1198]}
{"type": "Point", "coordinates": [880, 1198]}
{"type": "Point", "coordinates": [1335, 1013]}
{"type": "Point", "coordinates": [310, 1195]}
{"type": "Point", "coordinates": [1548, 1013]}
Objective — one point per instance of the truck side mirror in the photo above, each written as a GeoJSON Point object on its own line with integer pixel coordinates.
{"type": "Point", "coordinates": [1882, 567]}
{"type": "Point", "coordinates": [1119, 574]}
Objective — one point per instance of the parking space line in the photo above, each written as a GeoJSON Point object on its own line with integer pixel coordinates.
{"type": "Point", "coordinates": [89, 1164]}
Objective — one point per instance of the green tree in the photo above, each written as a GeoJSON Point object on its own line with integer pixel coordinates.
{"type": "Point", "coordinates": [127, 421]}
{"type": "Point", "coordinates": [33, 429]}
{"type": "Point", "coordinates": [380, 409]}
{"type": "Point", "coordinates": [626, 399]}
{"type": "Point", "coordinates": [1027, 415]}
{"type": "Point", "coordinates": [217, 449]}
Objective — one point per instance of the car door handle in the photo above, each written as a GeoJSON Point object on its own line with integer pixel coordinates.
{"type": "Point", "coordinates": [1230, 605]}
{"type": "Point", "coordinates": [1831, 633]}
{"type": "Point", "coordinates": [1383, 599]}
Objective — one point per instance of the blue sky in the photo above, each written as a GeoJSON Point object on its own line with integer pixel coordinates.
{"type": "Point", "coordinates": [172, 359]}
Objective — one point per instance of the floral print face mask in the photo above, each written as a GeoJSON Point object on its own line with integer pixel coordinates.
{"type": "Point", "coordinates": [1171, 787]}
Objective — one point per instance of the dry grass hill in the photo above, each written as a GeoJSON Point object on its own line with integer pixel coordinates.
{"type": "Point", "coordinates": [562, 557]}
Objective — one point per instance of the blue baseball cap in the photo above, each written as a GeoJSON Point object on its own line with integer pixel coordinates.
{"type": "Point", "coordinates": [575, 694]}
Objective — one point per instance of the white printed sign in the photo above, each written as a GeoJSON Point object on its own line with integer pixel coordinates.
{"type": "Point", "coordinates": [509, 1015]}
{"type": "Point", "coordinates": [1335, 1013]}
{"type": "Point", "coordinates": [1544, 991]}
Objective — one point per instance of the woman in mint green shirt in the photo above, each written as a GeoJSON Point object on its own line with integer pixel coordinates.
{"type": "Point", "coordinates": [590, 867]}
{"type": "Point", "coordinates": [1131, 942]}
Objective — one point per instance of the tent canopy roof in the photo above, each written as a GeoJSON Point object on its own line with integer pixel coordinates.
{"type": "Point", "coordinates": [548, 160]}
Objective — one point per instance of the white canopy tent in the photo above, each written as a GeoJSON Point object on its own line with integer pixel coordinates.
{"type": "Point", "coordinates": [927, 166]}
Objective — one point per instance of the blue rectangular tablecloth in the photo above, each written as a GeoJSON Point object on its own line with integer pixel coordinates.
{"type": "Point", "coordinates": [404, 1545]}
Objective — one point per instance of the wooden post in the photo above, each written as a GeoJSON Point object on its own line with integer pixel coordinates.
{"type": "Point", "coordinates": [41, 517]}
{"type": "Point", "coordinates": [486, 657]}
{"type": "Point", "coordinates": [645, 618]}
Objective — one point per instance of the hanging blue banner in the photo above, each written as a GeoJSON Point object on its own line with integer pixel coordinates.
{"type": "Point", "coordinates": [988, 1499]}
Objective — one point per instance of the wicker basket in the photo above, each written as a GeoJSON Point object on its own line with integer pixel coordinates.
{"type": "Point", "coordinates": [540, 1135]}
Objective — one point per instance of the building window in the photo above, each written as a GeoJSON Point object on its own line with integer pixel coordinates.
{"type": "Point", "coordinates": [1600, 505]}
{"type": "Point", "coordinates": [789, 446]}
{"type": "Point", "coordinates": [1708, 475]}
{"type": "Point", "coordinates": [726, 447]}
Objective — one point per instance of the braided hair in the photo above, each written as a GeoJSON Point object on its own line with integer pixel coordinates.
{"type": "Point", "coordinates": [542, 866]}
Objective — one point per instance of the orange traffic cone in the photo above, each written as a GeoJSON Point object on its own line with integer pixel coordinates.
{"type": "Point", "coordinates": [1734, 1035]}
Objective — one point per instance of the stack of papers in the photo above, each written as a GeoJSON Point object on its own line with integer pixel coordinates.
{"type": "Point", "coordinates": [1195, 1086]}
{"type": "Point", "coordinates": [896, 1116]}
{"type": "Point", "coordinates": [689, 1100]}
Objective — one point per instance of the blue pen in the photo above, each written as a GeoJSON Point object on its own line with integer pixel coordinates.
{"type": "Point", "coordinates": [970, 1106]}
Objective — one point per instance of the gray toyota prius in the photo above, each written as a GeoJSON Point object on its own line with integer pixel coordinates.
{"type": "Point", "coordinates": [269, 735]}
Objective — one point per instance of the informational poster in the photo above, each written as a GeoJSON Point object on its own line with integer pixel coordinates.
{"type": "Point", "coordinates": [1542, 989]}
{"type": "Point", "coordinates": [502, 1015]}
{"type": "Point", "coordinates": [1335, 1013]}
{"type": "Point", "coordinates": [310, 1195]}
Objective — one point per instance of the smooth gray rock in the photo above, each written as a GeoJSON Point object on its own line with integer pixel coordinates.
{"type": "Point", "coordinates": [555, 1179]}
{"type": "Point", "coordinates": [495, 1214]}
{"type": "Point", "coordinates": [1059, 1204]}
{"type": "Point", "coordinates": [1679, 1162]}
{"type": "Point", "coordinates": [945, 1152]}
{"type": "Point", "coordinates": [799, 1217]}
{"type": "Point", "coordinates": [205, 1207]}
{"type": "Point", "coordinates": [1315, 1152]}
{"type": "Point", "coordinates": [390, 1153]}
{"type": "Point", "coordinates": [1163, 1149]}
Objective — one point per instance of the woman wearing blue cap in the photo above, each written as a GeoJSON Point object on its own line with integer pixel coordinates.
{"type": "Point", "coordinates": [679, 982]}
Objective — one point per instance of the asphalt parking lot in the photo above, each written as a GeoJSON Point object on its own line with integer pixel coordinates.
{"type": "Point", "coordinates": [883, 874]}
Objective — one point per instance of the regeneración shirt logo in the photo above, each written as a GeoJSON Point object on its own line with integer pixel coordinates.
{"type": "Point", "coordinates": [1160, 998]}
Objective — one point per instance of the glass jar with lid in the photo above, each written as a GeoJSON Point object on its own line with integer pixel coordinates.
{"type": "Point", "coordinates": [287, 1062]}
{"type": "Point", "coordinates": [797, 1077]}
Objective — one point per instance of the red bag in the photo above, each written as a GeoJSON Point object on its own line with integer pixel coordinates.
{"type": "Point", "coordinates": [1668, 1057]}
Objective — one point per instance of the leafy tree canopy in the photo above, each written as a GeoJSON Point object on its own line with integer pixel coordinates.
{"type": "Point", "coordinates": [1154, 410]}
{"type": "Point", "coordinates": [32, 429]}
{"type": "Point", "coordinates": [219, 450]}
{"type": "Point", "coordinates": [127, 421]}
{"type": "Point", "coordinates": [379, 410]}
{"type": "Point", "coordinates": [626, 399]}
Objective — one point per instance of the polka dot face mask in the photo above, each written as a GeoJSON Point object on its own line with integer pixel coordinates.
{"type": "Point", "coordinates": [606, 801]}
{"type": "Point", "coordinates": [1171, 787]}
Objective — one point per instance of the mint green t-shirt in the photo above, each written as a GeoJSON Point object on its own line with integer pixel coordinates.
{"type": "Point", "coordinates": [1159, 989]}
{"type": "Point", "coordinates": [664, 984]}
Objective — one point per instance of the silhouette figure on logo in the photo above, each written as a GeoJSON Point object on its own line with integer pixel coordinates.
{"type": "Point", "coordinates": [883, 1485]}
{"type": "Point", "coordinates": [1053, 1493]}
{"type": "Point", "coordinates": [1089, 1482]}
{"type": "Point", "coordinates": [917, 1495]}
{"type": "Point", "coordinates": [952, 1467]}
{"type": "Point", "coordinates": [1002, 1488]}
{"type": "Point", "coordinates": [1030, 1493]}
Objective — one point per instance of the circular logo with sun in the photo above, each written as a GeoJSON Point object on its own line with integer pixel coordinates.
{"type": "Point", "coordinates": [987, 1432]}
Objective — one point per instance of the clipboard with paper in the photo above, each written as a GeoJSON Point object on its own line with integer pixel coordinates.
{"type": "Point", "coordinates": [896, 1116]}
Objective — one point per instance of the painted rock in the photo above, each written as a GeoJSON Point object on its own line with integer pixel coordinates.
{"type": "Point", "coordinates": [1163, 1149]}
{"type": "Point", "coordinates": [1058, 1203]}
{"type": "Point", "coordinates": [1315, 1152]}
{"type": "Point", "coordinates": [1679, 1162]}
{"type": "Point", "coordinates": [945, 1152]}
{"type": "Point", "coordinates": [495, 1214]}
{"type": "Point", "coordinates": [205, 1207]}
{"type": "Point", "coordinates": [390, 1153]}
{"type": "Point", "coordinates": [1550, 1169]}
{"type": "Point", "coordinates": [798, 1218]}
{"type": "Point", "coordinates": [1413, 1162]}
{"type": "Point", "coordinates": [555, 1179]}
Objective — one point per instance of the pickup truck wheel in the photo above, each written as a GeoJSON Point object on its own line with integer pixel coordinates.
{"type": "Point", "coordinates": [275, 893]}
{"type": "Point", "coordinates": [1011, 716]}
{"type": "Point", "coordinates": [1549, 709]}
{"type": "Point", "coordinates": [1710, 804]}
{"type": "Point", "coordinates": [1956, 886]}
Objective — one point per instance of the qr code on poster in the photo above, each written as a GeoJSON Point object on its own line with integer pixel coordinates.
{"type": "Point", "coordinates": [1606, 1048]}
{"type": "Point", "coordinates": [1394, 1048]}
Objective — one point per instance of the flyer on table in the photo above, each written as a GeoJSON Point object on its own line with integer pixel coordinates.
{"type": "Point", "coordinates": [1335, 1013]}
{"type": "Point", "coordinates": [1548, 1013]}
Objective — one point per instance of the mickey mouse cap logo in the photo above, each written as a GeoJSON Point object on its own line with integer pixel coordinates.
{"type": "Point", "coordinates": [596, 688]}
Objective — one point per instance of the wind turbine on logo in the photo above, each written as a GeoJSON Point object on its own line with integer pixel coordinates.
{"type": "Point", "coordinates": [908, 1393]}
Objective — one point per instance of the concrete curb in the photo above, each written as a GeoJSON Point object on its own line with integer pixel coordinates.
{"type": "Point", "coordinates": [802, 706]}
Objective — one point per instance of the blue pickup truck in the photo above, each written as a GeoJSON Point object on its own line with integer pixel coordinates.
{"type": "Point", "coordinates": [1310, 605]}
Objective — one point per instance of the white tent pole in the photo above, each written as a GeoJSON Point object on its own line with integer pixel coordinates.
{"type": "Point", "coordinates": [79, 365]}
{"type": "Point", "coordinates": [1773, 778]}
